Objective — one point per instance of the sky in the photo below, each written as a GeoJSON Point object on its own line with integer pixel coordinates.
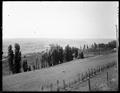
{"type": "Point", "coordinates": [68, 20]}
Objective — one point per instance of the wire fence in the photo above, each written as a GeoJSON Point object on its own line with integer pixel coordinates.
{"type": "Point", "coordinates": [81, 77]}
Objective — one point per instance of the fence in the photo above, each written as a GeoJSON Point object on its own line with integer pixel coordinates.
{"type": "Point", "coordinates": [81, 77]}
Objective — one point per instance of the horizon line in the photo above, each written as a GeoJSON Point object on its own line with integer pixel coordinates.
{"type": "Point", "coordinates": [57, 38]}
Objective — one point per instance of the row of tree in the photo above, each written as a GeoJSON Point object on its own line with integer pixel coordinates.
{"type": "Point", "coordinates": [109, 45]}
{"type": "Point", "coordinates": [14, 59]}
{"type": "Point", "coordinates": [100, 46]}
{"type": "Point", "coordinates": [55, 55]}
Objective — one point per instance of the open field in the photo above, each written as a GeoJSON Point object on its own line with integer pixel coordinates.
{"type": "Point", "coordinates": [31, 59]}
{"type": "Point", "coordinates": [99, 82]}
{"type": "Point", "coordinates": [33, 80]}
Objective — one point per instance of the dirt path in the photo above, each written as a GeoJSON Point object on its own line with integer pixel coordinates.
{"type": "Point", "coordinates": [32, 81]}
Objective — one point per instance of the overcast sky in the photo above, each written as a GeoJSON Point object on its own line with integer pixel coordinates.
{"type": "Point", "coordinates": [70, 20]}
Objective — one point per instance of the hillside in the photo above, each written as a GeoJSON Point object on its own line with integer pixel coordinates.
{"type": "Point", "coordinates": [32, 81]}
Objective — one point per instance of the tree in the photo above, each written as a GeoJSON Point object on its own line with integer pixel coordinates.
{"type": "Point", "coordinates": [49, 58]}
{"type": "Point", "coordinates": [17, 58]}
{"type": "Point", "coordinates": [55, 56]}
{"type": "Point", "coordinates": [52, 57]}
{"type": "Point", "coordinates": [33, 67]}
{"type": "Point", "coordinates": [25, 65]}
{"type": "Point", "coordinates": [61, 58]}
{"type": "Point", "coordinates": [112, 44]}
{"type": "Point", "coordinates": [75, 51]}
{"type": "Point", "coordinates": [29, 68]}
{"type": "Point", "coordinates": [82, 55]}
{"type": "Point", "coordinates": [10, 58]}
{"type": "Point", "coordinates": [68, 53]}
{"type": "Point", "coordinates": [101, 45]}
{"type": "Point", "coordinates": [84, 47]}
{"type": "Point", "coordinates": [95, 45]}
{"type": "Point", "coordinates": [36, 63]}
{"type": "Point", "coordinates": [87, 47]}
{"type": "Point", "coordinates": [44, 59]}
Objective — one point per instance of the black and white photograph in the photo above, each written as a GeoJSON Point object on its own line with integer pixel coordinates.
{"type": "Point", "coordinates": [60, 46]}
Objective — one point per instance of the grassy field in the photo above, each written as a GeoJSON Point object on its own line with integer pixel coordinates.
{"type": "Point", "coordinates": [100, 82]}
{"type": "Point", "coordinates": [33, 80]}
{"type": "Point", "coordinates": [31, 59]}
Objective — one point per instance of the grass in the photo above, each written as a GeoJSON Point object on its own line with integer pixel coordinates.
{"type": "Point", "coordinates": [101, 83]}
{"type": "Point", "coordinates": [31, 59]}
{"type": "Point", "coordinates": [34, 80]}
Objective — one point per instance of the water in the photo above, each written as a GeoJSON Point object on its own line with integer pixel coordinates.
{"type": "Point", "coordinates": [37, 45]}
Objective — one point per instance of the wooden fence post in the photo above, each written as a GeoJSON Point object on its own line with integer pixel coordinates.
{"type": "Point", "coordinates": [69, 84]}
{"type": "Point", "coordinates": [82, 77]}
{"type": "Point", "coordinates": [86, 75]}
{"type": "Point", "coordinates": [79, 77]}
{"type": "Point", "coordinates": [103, 67]}
{"type": "Point", "coordinates": [63, 84]}
{"type": "Point", "coordinates": [75, 81]}
{"type": "Point", "coordinates": [100, 68]}
{"type": "Point", "coordinates": [88, 72]}
{"type": "Point", "coordinates": [92, 72]}
{"type": "Point", "coordinates": [42, 88]}
{"type": "Point", "coordinates": [89, 84]}
{"type": "Point", "coordinates": [95, 71]}
{"type": "Point", "coordinates": [57, 85]}
{"type": "Point", "coordinates": [51, 86]}
{"type": "Point", "coordinates": [107, 76]}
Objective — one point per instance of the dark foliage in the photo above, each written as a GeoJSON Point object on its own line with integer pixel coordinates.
{"type": "Point", "coordinates": [11, 59]}
{"type": "Point", "coordinates": [17, 58]}
{"type": "Point", "coordinates": [29, 68]}
{"type": "Point", "coordinates": [80, 55]}
{"type": "Point", "coordinates": [112, 44]}
{"type": "Point", "coordinates": [68, 53]}
{"type": "Point", "coordinates": [53, 56]}
{"type": "Point", "coordinates": [25, 66]}
{"type": "Point", "coordinates": [75, 52]}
